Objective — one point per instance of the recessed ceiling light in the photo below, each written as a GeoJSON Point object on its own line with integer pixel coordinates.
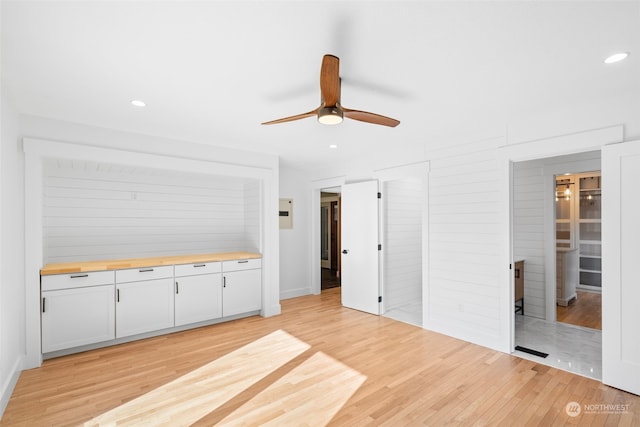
{"type": "Point", "coordinates": [333, 146]}
{"type": "Point", "coordinates": [138, 103]}
{"type": "Point", "coordinates": [616, 57]}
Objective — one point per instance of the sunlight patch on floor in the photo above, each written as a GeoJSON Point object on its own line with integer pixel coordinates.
{"type": "Point", "coordinates": [311, 394]}
{"type": "Point", "coordinates": [194, 395]}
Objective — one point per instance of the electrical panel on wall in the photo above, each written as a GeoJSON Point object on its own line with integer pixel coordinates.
{"type": "Point", "coordinates": [286, 213]}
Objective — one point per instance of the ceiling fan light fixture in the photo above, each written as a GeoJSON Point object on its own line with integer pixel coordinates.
{"type": "Point", "coordinates": [330, 116]}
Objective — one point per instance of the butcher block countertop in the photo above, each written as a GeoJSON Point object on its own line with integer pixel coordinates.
{"type": "Point", "coordinates": [119, 264]}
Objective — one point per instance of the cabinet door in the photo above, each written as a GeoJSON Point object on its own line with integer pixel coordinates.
{"type": "Point", "coordinates": [241, 292]}
{"type": "Point", "coordinates": [198, 298]}
{"type": "Point", "coordinates": [144, 306]}
{"type": "Point", "coordinates": [75, 317]}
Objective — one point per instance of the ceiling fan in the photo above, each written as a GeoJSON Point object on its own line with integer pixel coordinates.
{"type": "Point", "coordinates": [330, 111]}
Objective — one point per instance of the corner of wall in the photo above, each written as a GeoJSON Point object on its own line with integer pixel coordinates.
{"type": "Point", "coordinates": [9, 385]}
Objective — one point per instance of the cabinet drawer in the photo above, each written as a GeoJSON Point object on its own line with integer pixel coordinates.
{"type": "Point", "coordinates": [76, 280]}
{"type": "Point", "coordinates": [182, 270]}
{"type": "Point", "coordinates": [241, 264]}
{"type": "Point", "coordinates": [144, 273]}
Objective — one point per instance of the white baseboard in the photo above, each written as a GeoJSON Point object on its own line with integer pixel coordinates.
{"type": "Point", "coordinates": [295, 293]}
{"type": "Point", "coordinates": [9, 385]}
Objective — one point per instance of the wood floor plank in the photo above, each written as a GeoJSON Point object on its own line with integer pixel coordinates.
{"type": "Point", "coordinates": [411, 377]}
{"type": "Point", "coordinates": [585, 311]}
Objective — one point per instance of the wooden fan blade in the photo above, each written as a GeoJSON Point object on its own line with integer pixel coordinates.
{"type": "Point", "coordinates": [330, 80]}
{"type": "Point", "coordinates": [365, 116]}
{"type": "Point", "coordinates": [292, 118]}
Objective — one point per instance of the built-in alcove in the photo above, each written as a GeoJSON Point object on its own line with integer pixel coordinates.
{"type": "Point", "coordinates": [97, 210]}
{"type": "Point", "coordinates": [183, 167]}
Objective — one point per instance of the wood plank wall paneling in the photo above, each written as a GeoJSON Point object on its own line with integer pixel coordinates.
{"type": "Point", "coordinates": [402, 204]}
{"type": "Point", "coordinates": [528, 232]}
{"type": "Point", "coordinates": [96, 211]}
{"type": "Point", "coordinates": [464, 227]}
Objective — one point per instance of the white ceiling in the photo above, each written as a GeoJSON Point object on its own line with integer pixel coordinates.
{"type": "Point", "coordinates": [211, 72]}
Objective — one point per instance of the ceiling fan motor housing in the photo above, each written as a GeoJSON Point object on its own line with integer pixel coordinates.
{"type": "Point", "coordinates": [330, 115]}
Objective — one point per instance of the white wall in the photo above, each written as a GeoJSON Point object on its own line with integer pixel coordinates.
{"type": "Point", "coordinates": [402, 237]}
{"type": "Point", "coordinates": [94, 210]}
{"type": "Point", "coordinates": [465, 213]}
{"type": "Point", "coordinates": [252, 239]}
{"type": "Point", "coordinates": [12, 307]}
{"type": "Point", "coordinates": [295, 242]}
{"type": "Point", "coordinates": [528, 232]}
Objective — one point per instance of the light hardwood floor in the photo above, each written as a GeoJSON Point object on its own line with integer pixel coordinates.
{"type": "Point", "coordinates": [585, 311]}
{"type": "Point", "coordinates": [316, 364]}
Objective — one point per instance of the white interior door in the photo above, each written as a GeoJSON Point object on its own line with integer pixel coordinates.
{"type": "Point", "coordinates": [360, 285]}
{"type": "Point", "coordinates": [620, 286]}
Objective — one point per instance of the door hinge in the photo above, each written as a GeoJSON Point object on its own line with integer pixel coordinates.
{"type": "Point", "coordinates": [379, 246]}
{"type": "Point", "coordinates": [379, 195]}
{"type": "Point", "coordinates": [380, 299]}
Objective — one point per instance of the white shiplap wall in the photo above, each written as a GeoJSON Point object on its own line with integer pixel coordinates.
{"type": "Point", "coordinates": [103, 211]}
{"type": "Point", "coordinates": [528, 232]}
{"type": "Point", "coordinates": [464, 232]}
{"type": "Point", "coordinates": [402, 228]}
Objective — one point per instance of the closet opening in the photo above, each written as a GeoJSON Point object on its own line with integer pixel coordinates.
{"type": "Point", "coordinates": [556, 235]}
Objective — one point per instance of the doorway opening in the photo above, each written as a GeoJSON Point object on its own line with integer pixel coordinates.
{"type": "Point", "coordinates": [556, 234]}
{"type": "Point", "coordinates": [330, 238]}
{"type": "Point", "coordinates": [579, 249]}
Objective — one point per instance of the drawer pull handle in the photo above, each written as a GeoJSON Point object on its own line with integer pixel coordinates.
{"type": "Point", "coordinates": [243, 262]}
{"type": "Point", "coordinates": [43, 300]}
{"type": "Point", "coordinates": [177, 288]}
{"type": "Point", "coordinates": [145, 270]}
{"type": "Point", "coordinates": [200, 265]}
{"type": "Point", "coordinates": [117, 295]}
{"type": "Point", "coordinates": [224, 281]}
{"type": "Point", "coordinates": [76, 276]}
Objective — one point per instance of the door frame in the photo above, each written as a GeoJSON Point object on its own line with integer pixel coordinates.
{"type": "Point", "coordinates": [316, 189]}
{"type": "Point", "coordinates": [574, 143]}
{"type": "Point", "coordinates": [325, 263]}
{"type": "Point", "coordinates": [334, 257]}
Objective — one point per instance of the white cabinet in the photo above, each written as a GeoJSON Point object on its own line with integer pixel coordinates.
{"type": "Point", "coordinates": [99, 307]}
{"type": "Point", "coordinates": [198, 292]}
{"type": "Point", "coordinates": [242, 286]}
{"type": "Point", "coordinates": [77, 309]}
{"type": "Point", "coordinates": [144, 300]}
